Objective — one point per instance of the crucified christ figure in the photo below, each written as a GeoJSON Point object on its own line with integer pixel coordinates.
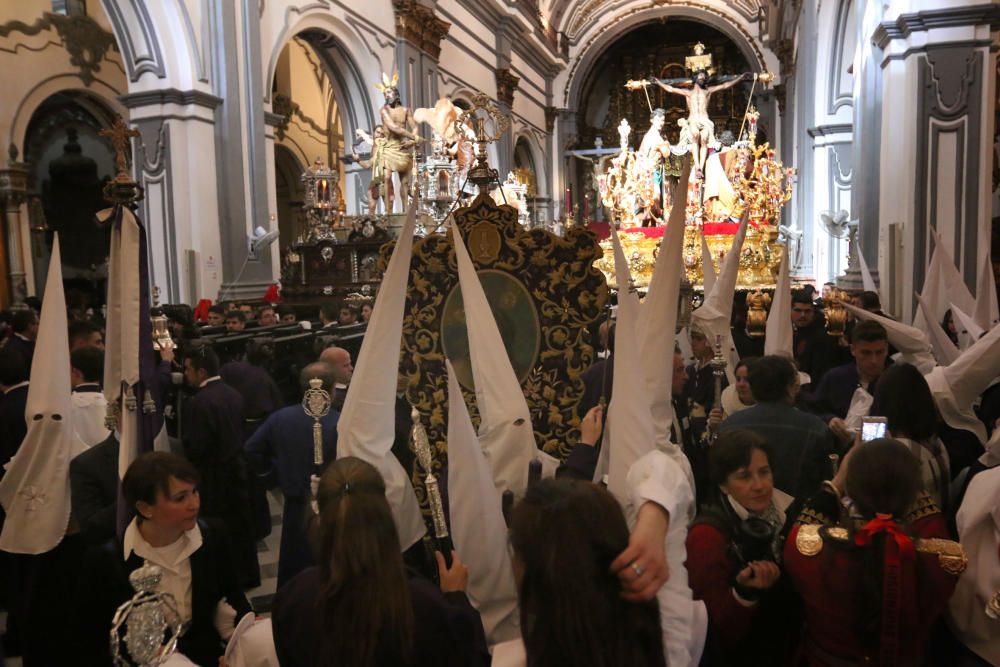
{"type": "Point", "coordinates": [700, 128]}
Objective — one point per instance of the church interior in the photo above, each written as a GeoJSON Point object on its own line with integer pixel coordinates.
{"type": "Point", "coordinates": [265, 183]}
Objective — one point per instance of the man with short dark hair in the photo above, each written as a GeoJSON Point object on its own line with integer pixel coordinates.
{"type": "Point", "coordinates": [700, 387]}
{"type": "Point", "coordinates": [347, 315]}
{"type": "Point", "coordinates": [24, 325]}
{"type": "Point", "coordinates": [816, 352]}
{"type": "Point", "coordinates": [266, 316]}
{"type": "Point", "coordinates": [287, 315]}
{"type": "Point", "coordinates": [212, 437]}
{"type": "Point", "coordinates": [216, 316]}
{"type": "Point", "coordinates": [328, 313]}
{"type": "Point", "coordinates": [83, 333]}
{"type": "Point", "coordinates": [284, 442]}
{"type": "Point", "coordinates": [833, 395]}
{"type": "Point", "coordinates": [89, 405]}
{"type": "Point", "coordinates": [800, 441]}
{"type": "Point", "coordinates": [235, 321]}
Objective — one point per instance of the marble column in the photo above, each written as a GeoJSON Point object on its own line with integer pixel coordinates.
{"type": "Point", "coordinates": [13, 194]}
{"type": "Point", "coordinates": [938, 82]}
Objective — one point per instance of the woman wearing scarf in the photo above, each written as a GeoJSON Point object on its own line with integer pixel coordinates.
{"type": "Point", "coordinates": [734, 557]}
{"type": "Point", "coordinates": [874, 571]}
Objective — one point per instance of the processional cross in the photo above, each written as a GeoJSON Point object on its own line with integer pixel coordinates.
{"type": "Point", "coordinates": [121, 189]}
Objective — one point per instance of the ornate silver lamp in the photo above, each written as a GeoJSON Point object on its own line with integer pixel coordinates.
{"type": "Point", "coordinates": [322, 201]}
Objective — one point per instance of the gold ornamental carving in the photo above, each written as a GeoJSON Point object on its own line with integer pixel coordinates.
{"type": "Point", "coordinates": [544, 291]}
{"type": "Point", "coordinates": [419, 25]}
{"type": "Point", "coordinates": [506, 86]}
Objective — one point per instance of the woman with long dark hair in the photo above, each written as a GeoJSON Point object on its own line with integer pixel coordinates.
{"type": "Point", "coordinates": [875, 581]}
{"type": "Point", "coordinates": [565, 534]}
{"type": "Point", "coordinates": [361, 606]}
{"type": "Point", "coordinates": [903, 397]}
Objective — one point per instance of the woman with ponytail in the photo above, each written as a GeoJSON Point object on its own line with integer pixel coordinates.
{"type": "Point", "coordinates": [874, 571]}
{"type": "Point", "coordinates": [361, 606]}
{"type": "Point", "coordinates": [564, 535]}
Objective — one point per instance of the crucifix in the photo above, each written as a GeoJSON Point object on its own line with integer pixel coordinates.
{"type": "Point", "coordinates": [121, 189]}
{"type": "Point", "coordinates": [119, 135]}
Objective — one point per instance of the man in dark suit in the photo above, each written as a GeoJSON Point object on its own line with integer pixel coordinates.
{"type": "Point", "coordinates": [816, 352]}
{"type": "Point", "coordinates": [25, 330]}
{"type": "Point", "coordinates": [284, 443]}
{"type": "Point", "coordinates": [93, 482]}
{"type": "Point", "coordinates": [213, 441]}
{"type": "Point", "coordinates": [800, 442]}
{"type": "Point", "coordinates": [14, 399]}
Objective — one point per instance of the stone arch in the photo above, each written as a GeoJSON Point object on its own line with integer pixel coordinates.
{"type": "Point", "coordinates": [353, 79]}
{"type": "Point", "coordinates": [142, 28]}
{"type": "Point", "coordinates": [288, 181]}
{"type": "Point", "coordinates": [605, 33]}
{"type": "Point", "coordinates": [100, 90]}
{"type": "Point", "coordinates": [530, 144]}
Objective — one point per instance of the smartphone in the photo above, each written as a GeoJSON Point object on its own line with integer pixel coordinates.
{"type": "Point", "coordinates": [873, 428]}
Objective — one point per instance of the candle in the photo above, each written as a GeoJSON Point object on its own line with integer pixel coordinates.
{"type": "Point", "coordinates": [569, 194]}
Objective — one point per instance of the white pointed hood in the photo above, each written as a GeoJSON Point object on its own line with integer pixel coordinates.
{"type": "Point", "coordinates": [657, 320]}
{"type": "Point", "coordinates": [364, 430]}
{"type": "Point", "coordinates": [957, 385]}
{"type": "Point", "coordinates": [866, 275]}
{"type": "Point", "coordinates": [944, 350]}
{"type": "Point", "coordinates": [707, 267]}
{"type": "Point", "coordinates": [35, 491]}
{"type": "Point", "coordinates": [943, 286]}
{"type": "Point", "coordinates": [778, 335]}
{"type": "Point", "coordinates": [715, 314]}
{"type": "Point", "coordinates": [911, 342]}
{"type": "Point", "coordinates": [966, 325]}
{"type": "Point", "coordinates": [506, 433]}
{"type": "Point", "coordinates": [477, 524]}
{"type": "Point", "coordinates": [629, 433]}
{"type": "Point", "coordinates": [987, 311]}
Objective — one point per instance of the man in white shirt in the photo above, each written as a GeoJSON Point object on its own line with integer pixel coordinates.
{"type": "Point", "coordinates": [89, 405]}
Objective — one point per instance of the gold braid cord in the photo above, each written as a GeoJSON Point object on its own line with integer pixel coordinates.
{"type": "Point", "coordinates": [544, 292]}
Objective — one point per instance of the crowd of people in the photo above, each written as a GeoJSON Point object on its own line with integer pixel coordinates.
{"type": "Point", "coordinates": [802, 543]}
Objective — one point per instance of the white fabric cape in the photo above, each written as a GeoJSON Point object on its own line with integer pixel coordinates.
{"type": "Point", "coordinates": [363, 429]}
{"type": "Point", "coordinates": [35, 491]}
{"type": "Point", "coordinates": [966, 324]}
{"type": "Point", "coordinates": [778, 335]}
{"type": "Point", "coordinates": [866, 275]}
{"type": "Point", "coordinates": [978, 523]}
{"type": "Point", "coordinates": [478, 529]}
{"type": "Point", "coordinates": [506, 433]}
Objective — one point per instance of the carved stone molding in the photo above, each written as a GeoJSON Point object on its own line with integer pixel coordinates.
{"type": "Point", "coordinates": [170, 96]}
{"type": "Point", "coordinates": [551, 113]}
{"type": "Point", "coordinates": [780, 94]}
{"type": "Point", "coordinates": [907, 24]}
{"type": "Point", "coordinates": [506, 86]}
{"type": "Point", "coordinates": [785, 50]}
{"type": "Point", "coordinates": [14, 184]}
{"type": "Point", "coordinates": [83, 38]}
{"type": "Point", "coordinates": [419, 25]}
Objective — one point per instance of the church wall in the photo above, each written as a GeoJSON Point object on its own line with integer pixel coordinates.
{"type": "Point", "coordinates": [936, 146]}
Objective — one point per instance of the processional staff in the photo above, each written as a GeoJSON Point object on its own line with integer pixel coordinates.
{"type": "Point", "coordinates": [316, 403]}
{"type": "Point", "coordinates": [422, 447]}
{"type": "Point", "coordinates": [718, 371]}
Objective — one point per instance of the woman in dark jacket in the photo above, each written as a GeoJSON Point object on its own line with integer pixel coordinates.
{"type": "Point", "coordinates": [734, 553]}
{"type": "Point", "coordinates": [361, 606]}
{"type": "Point", "coordinates": [193, 555]}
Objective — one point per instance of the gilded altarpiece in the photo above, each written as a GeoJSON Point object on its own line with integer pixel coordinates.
{"type": "Point", "coordinates": [544, 292]}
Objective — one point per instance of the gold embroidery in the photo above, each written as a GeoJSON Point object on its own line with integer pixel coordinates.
{"type": "Point", "coordinates": [922, 507]}
{"type": "Point", "coordinates": [838, 533]}
{"type": "Point", "coordinates": [808, 540]}
{"type": "Point", "coordinates": [809, 516]}
{"type": "Point", "coordinates": [951, 555]}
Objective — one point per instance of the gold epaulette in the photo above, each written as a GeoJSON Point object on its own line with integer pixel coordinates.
{"type": "Point", "coordinates": [809, 539]}
{"type": "Point", "coordinates": [812, 517]}
{"type": "Point", "coordinates": [923, 506]}
{"type": "Point", "coordinates": [951, 555]}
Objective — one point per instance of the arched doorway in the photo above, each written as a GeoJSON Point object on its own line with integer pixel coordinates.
{"type": "Point", "coordinates": [69, 163]}
{"type": "Point", "coordinates": [288, 180]}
